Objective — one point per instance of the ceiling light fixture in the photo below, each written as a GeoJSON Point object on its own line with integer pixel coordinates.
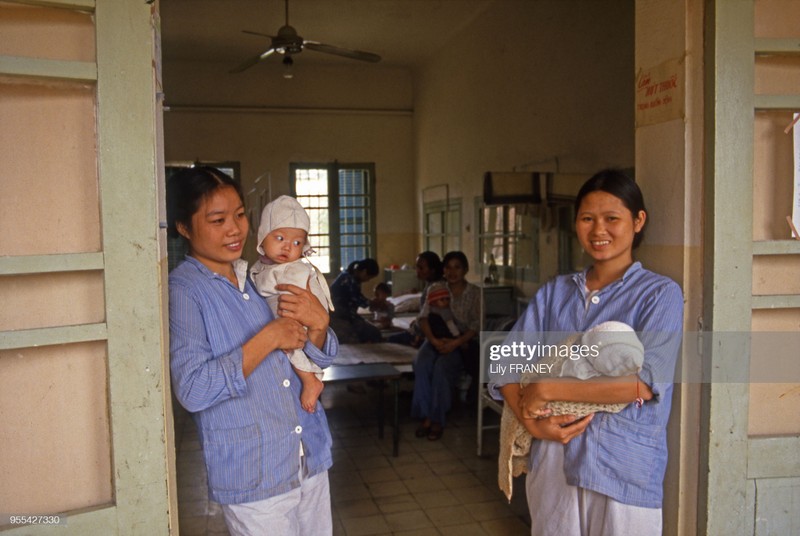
{"type": "Point", "coordinates": [288, 73]}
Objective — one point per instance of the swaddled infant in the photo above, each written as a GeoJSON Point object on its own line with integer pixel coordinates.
{"type": "Point", "coordinates": [615, 351]}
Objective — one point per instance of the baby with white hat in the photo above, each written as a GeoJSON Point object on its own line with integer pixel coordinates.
{"type": "Point", "coordinates": [282, 246]}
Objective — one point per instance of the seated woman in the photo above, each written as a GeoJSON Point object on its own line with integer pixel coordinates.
{"type": "Point", "coordinates": [347, 297]}
{"type": "Point", "coordinates": [429, 270]}
{"type": "Point", "coordinates": [440, 361]}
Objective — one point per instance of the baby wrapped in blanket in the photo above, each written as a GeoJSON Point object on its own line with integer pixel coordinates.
{"type": "Point", "coordinates": [619, 352]}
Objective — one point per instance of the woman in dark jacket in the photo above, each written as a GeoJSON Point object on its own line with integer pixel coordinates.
{"type": "Point", "coordinates": [347, 297]}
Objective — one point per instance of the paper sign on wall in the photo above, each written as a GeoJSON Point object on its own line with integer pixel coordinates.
{"type": "Point", "coordinates": [659, 93]}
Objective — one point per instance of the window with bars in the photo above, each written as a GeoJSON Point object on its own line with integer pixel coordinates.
{"type": "Point", "coordinates": [340, 201]}
{"type": "Point", "coordinates": [508, 238]}
{"type": "Point", "coordinates": [442, 226]}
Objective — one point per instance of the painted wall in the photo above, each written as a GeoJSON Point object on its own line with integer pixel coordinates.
{"type": "Point", "coordinates": [556, 85]}
{"type": "Point", "coordinates": [526, 83]}
{"type": "Point", "coordinates": [669, 163]}
{"type": "Point", "coordinates": [350, 114]}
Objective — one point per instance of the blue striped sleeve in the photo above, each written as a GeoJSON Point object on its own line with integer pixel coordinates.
{"type": "Point", "coordinates": [200, 379]}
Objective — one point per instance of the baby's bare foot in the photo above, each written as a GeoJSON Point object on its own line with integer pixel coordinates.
{"type": "Point", "coordinates": [310, 394]}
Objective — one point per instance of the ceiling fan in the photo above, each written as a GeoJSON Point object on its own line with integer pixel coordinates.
{"type": "Point", "coordinates": [288, 42]}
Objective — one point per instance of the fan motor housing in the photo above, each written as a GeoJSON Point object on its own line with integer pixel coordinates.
{"type": "Point", "coordinates": [288, 41]}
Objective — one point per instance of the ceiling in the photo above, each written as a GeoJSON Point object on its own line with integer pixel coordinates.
{"type": "Point", "coordinates": [403, 32]}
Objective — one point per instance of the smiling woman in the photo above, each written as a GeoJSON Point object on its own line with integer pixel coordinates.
{"type": "Point", "coordinates": [609, 224]}
{"type": "Point", "coordinates": [585, 470]}
{"type": "Point", "coordinates": [217, 230]}
{"type": "Point", "coordinates": [267, 459]}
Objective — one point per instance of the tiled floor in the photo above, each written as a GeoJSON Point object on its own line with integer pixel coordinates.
{"type": "Point", "coordinates": [431, 488]}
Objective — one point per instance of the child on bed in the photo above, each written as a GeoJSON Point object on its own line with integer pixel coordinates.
{"type": "Point", "coordinates": [283, 245]}
{"type": "Point", "coordinates": [380, 306]}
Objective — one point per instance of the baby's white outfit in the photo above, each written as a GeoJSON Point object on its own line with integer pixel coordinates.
{"type": "Point", "coordinates": [299, 272]}
{"type": "Point", "coordinates": [286, 212]}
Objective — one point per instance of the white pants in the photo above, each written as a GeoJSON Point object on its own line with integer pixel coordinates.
{"type": "Point", "coordinates": [303, 511]}
{"type": "Point", "coordinates": [559, 509]}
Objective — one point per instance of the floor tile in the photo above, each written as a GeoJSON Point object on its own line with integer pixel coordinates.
{"type": "Point", "coordinates": [435, 499]}
{"type": "Point", "coordinates": [386, 474]}
{"type": "Point", "coordinates": [397, 503]}
{"type": "Point", "coordinates": [345, 493]}
{"type": "Point", "coordinates": [444, 516]}
{"type": "Point", "coordinates": [505, 527]}
{"type": "Point", "coordinates": [489, 510]}
{"type": "Point", "coordinates": [405, 521]}
{"type": "Point", "coordinates": [430, 531]}
{"type": "Point", "coordinates": [357, 508]}
{"type": "Point", "coordinates": [387, 489]}
{"type": "Point", "coordinates": [364, 526]}
{"type": "Point", "coordinates": [465, 530]}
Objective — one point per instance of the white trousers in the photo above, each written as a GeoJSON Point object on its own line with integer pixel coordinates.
{"type": "Point", "coordinates": [303, 511]}
{"type": "Point", "coordinates": [558, 509]}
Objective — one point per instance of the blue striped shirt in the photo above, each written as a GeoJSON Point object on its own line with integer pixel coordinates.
{"type": "Point", "coordinates": [622, 455]}
{"type": "Point", "coordinates": [250, 429]}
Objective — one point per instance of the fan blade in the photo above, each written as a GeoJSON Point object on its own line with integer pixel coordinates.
{"type": "Point", "coordinates": [257, 33]}
{"type": "Point", "coordinates": [252, 61]}
{"type": "Point", "coordinates": [347, 53]}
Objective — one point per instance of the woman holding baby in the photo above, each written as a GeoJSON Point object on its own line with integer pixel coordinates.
{"type": "Point", "coordinates": [443, 357]}
{"type": "Point", "coordinates": [602, 474]}
{"type": "Point", "coordinates": [267, 458]}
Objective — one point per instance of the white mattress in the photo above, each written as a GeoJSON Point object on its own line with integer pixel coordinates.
{"type": "Point", "coordinates": [383, 352]}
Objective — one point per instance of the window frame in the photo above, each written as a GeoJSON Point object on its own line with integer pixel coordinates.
{"type": "Point", "coordinates": [335, 234]}
{"type": "Point", "coordinates": [510, 268]}
{"type": "Point", "coordinates": [447, 211]}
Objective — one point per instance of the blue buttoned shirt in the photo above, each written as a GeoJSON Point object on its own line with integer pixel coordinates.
{"type": "Point", "coordinates": [622, 455]}
{"type": "Point", "coordinates": [250, 429]}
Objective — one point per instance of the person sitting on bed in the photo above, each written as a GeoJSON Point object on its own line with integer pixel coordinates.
{"type": "Point", "coordinates": [380, 306]}
{"type": "Point", "coordinates": [430, 270]}
{"type": "Point", "coordinates": [349, 326]}
{"type": "Point", "coordinates": [440, 362]}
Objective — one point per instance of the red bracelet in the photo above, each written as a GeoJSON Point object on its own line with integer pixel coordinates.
{"type": "Point", "coordinates": [639, 400]}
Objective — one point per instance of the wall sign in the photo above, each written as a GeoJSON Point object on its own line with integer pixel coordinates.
{"type": "Point", "coordinates": [659, 93]}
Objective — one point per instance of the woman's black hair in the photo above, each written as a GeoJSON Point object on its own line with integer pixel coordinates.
{"type": "Point", "coordinates": [457, 255]}
{"type": "Point", "coordinates": [434, 264]}
{"type": "Point", "coordinates": [187, 188]}
{"type": "Point", "coordinates": [368, 264]}
{"type": "Point", "coordinates": [620, 185]}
